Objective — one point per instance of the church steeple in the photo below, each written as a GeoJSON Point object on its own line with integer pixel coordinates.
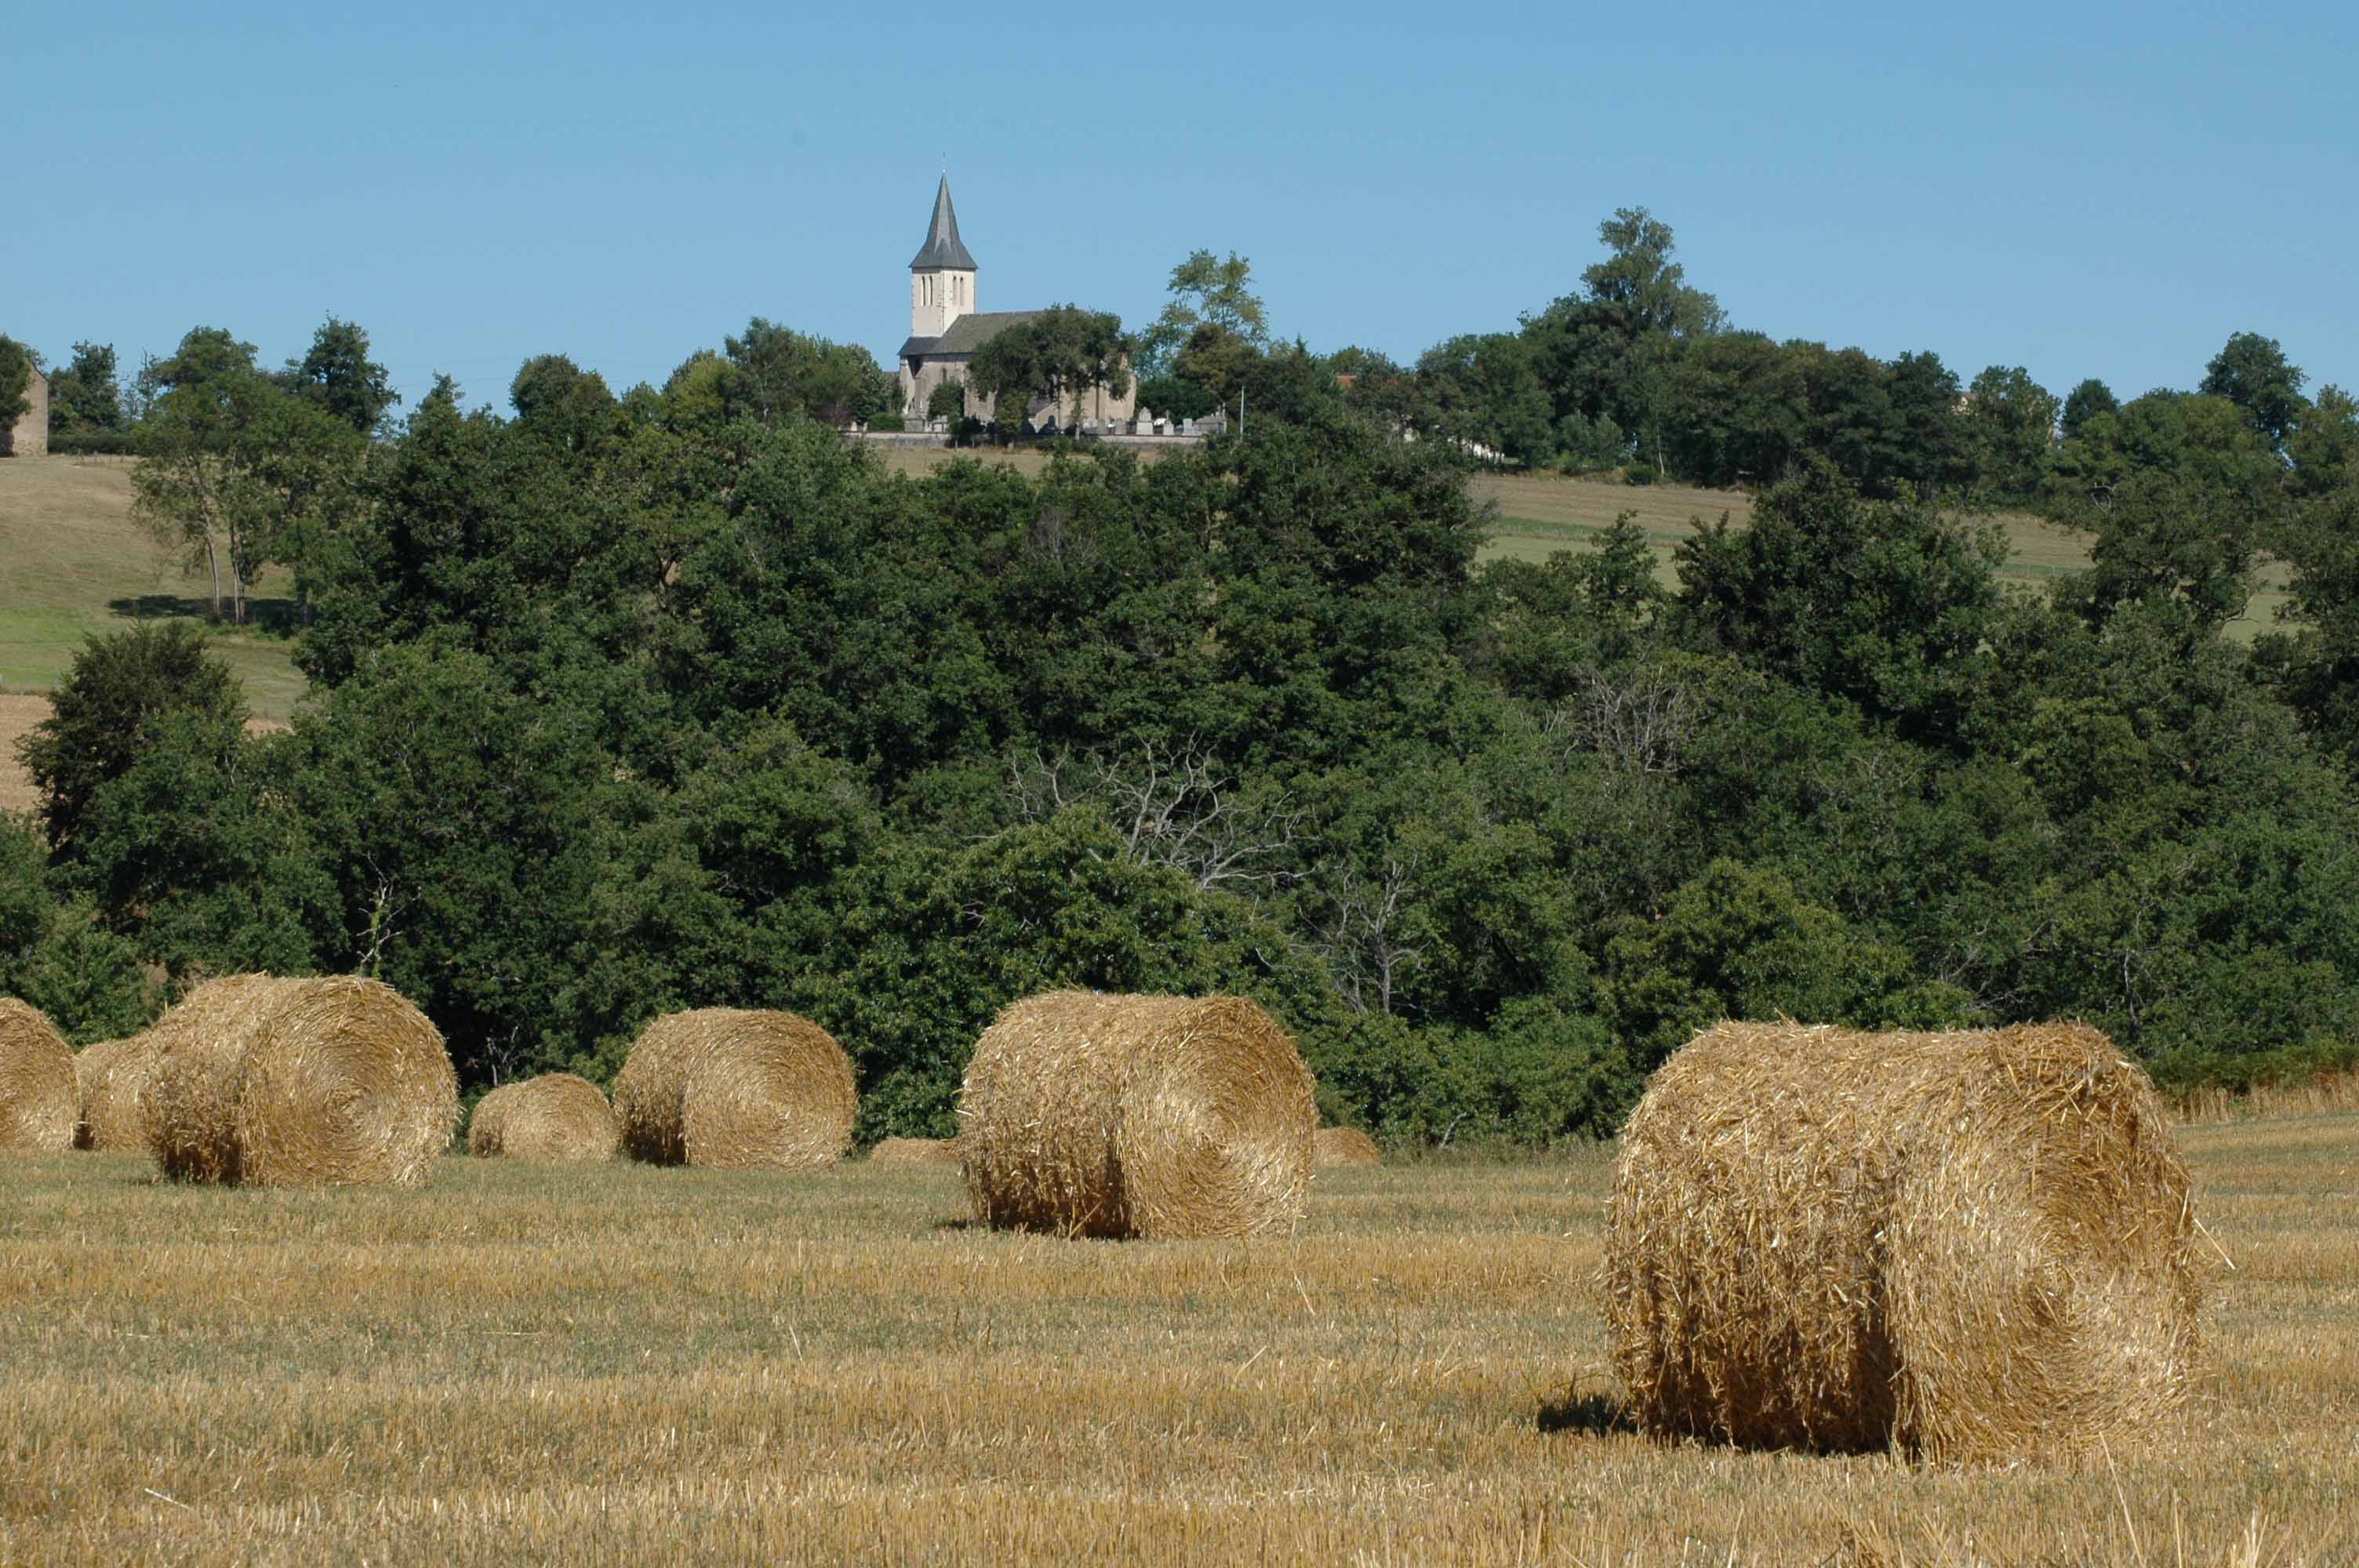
{"type": "Point", "coordinates": [941, 276]}
{"type": "Point", "coordinates": [943, 249]}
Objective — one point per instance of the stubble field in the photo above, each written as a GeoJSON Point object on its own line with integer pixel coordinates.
{"type": "Point", "coordinates": [631, 1365]}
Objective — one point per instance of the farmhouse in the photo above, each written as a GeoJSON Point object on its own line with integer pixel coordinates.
{"type": "Point", "coordinates": [945, 330]}
{"type": "Point", "coordinates": [31, 436]}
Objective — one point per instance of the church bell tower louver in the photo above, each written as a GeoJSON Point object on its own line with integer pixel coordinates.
{"type": "Point", "coordinates": [941, 276]}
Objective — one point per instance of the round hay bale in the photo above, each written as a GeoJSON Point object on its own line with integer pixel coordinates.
{"type": "Point", "coordinates": [556, 1119]}
{"type": "Point", "coordinates": [309, 1083]}
{"type": "Point", "coordinates": [40, 1103]}
{"type": "Point", "coordinates": [915, 1152]}
{"type": "Point", "coordinates": [1968, 1247]}
{"type": "Point", "coordinates": [1137, 1116]}
{"type": "Point", "coordinates": [93, 1066]}
{"type": "Point", "coordinates": [1333, 1146]}
{"type": "Point", "coordinates": [736, 1088]}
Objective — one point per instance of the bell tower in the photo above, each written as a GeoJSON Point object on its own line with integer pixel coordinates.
{"type": "Point", "coordinates": [941, 276]}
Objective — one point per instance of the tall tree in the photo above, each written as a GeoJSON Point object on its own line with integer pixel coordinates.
{"type": "Point", "coordinates": [1205, 291]}
{"type": "Point", "coordinates": [84, 394]}
{"type": "Point", "coordinates": [2011, 421]}
{"type": "Point", "coordinates": [2253, 372]}
{"type": "Point", "coordinates": [237, 471]}
{"type": "Point", "coordinates": [188, 490]}
{"type": "Point", "coordinates": [17, 363]}
{"type": "Point", "coordinates": [1606, 352]}
{"type": "Point", "coordinates": [2084, 402]}
{"type": "Point", "coordinates": [337, 374]}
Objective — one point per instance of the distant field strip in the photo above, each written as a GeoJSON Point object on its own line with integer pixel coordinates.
{"type": "Point", "coordinates": [623, 1364]}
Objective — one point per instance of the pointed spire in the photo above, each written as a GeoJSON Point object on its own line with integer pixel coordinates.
{"type": "Point", "coordinates": [942, 248]}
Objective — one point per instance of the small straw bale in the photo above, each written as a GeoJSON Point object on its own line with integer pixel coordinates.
{"type": "Point", "coordinates": [1335, 1146]}
{"type": "Point", "coordinates": [1156, 1117]}
{"type": "Point", "coordinates": [738, 1088]}
{"type": "Point", "coordinates": [40, 1103]}
{"type": "Point", "coordinates": [1969, 1246]}
{"type": "Point", "coordinates": [557, 1119]}
{"type": "Point", "coordinates": [915, 1152]}
{"type": "Point", "coordinates": [309, 1083]}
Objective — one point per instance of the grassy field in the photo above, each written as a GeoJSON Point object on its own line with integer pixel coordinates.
{"type": "Point", "coordinates": [628, 1365]}
{"type": "Point", "coordinates": [72, 563]}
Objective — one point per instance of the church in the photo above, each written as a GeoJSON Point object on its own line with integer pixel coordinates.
{"type": "Point", "coordinates": [945, 331]}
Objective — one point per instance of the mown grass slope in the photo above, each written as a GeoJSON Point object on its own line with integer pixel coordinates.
{"type": "Point", "coordinates": [74, 564]}
{"type": "Point", "coordinates": [628, 1365]}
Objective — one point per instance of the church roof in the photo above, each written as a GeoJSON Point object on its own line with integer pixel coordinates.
{"type": "Point", "coordinates": [968, 333]}
{"type": "Point", "coordinates": [942, 247]}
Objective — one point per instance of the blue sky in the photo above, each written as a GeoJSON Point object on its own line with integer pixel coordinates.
{"type": "Point", "coordinates": [2082, 190]}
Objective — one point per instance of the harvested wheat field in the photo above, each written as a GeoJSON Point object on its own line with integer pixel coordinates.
{"type": "Point", "coordinates": [39, 1102]}
{"type": "Point", "coordinates": [300, 1083]}
{"type": "Point", "coordinates": [915, 1152]}
{"type": "Point", "coordinates": [1335, 1146]}
{"type": "Point", "coordinates": [1090, 1113]}
{"type": "Point", "coordinates": [1965, 1247]}
{"type": "Point", "coordinates": [558, 1119]}
{"type": "Point", "coordinates": [736, 1088]}
{"type": "Point", "coordinates": [606, 1365]}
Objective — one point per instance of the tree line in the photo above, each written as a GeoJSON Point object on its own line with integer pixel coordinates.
{"type": "Point", "coordinates": [623, 704]}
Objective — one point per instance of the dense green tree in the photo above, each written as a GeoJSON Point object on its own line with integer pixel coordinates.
{"type": "Point", "coordinates": [17, 364]}
{"type": "Point", "coordinates": [200, 853]}
{"type": "Point", "coordinates": [103, 715]}
{"type": "Point", "coordinates": [1606, 352]}
{"type": "Point", "coordinates": [560, 402]}
{"type": "Point", "coordinates": [55, 956]}
{"type": "Point", "coordinates": [335, 373]}
{"type": "Point", "coordinates": [1739, 943]}
{"type": "Point", "coordinates": [2323, 446]}
{"type": "Point", "coordinates": [1484, 395]}
{"type": "Point", "coordinates": [2011, 425]}
{"type": "Point", "coordinates": [2089, 398]}
{"type": "Point", "coordinates": [947, 400]}
{"type": "Point", "coordinates": [2165, 539]}
{"type": "Point", "coordinates": [1884, 603]}
{"type": "Point", "coordinates": [1058, 357]}
{"type": "Point", "coordinates": [936, 941]}
{"type": "Point", "coordinates": [2253, 372]}
{"type": "Point", "coordinates": [782, 374]}
{"type": "Point", "coordinates": [84, 394]}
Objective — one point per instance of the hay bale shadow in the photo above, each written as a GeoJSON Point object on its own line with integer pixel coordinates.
{"type": "Point", "coordinates": [1592, 1415]}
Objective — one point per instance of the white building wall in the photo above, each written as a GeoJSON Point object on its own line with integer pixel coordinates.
{"type": "Point", "coordinates": [936, 299]}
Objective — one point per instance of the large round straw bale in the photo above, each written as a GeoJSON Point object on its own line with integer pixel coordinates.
{"type": "Point", "coordinates": [1147, 1116]}
{"type": "Point", "coordinates": [40, 1103]}
{"type": "Point", "coordinates": [915, 1152]}
{"type": "Point", "coordinates": [93, 1065]}
{"type": "Point", "coordinates": [736, 1088]}
{"type": "Point", "coordinates": [556, 1119]}
{"type": "Point", "coordinates": [336, 1082]}
{"type": "Point", "coordinates": [113, 1080]}
{"type": "Point", "coordinates": [1968, 1247]}
{"type": "Point", "coordinates": [1335, 1146]}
